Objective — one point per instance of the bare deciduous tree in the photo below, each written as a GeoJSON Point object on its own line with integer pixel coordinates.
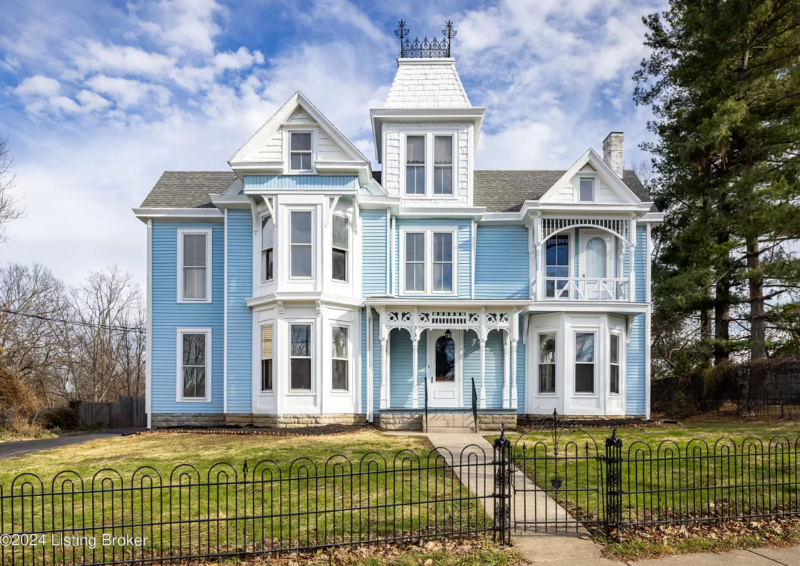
{"type": "Point", "coordinates": [9, 204]}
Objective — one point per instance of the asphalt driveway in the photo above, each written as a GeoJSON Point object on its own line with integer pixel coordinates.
{"type": "Point", "coordinates": [22, 447]}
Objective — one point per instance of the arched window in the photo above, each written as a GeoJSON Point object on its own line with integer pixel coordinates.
{"type": "Point", "coordinates": [596, 258]}
{"type": "Point", "coordinates": [445, 359]}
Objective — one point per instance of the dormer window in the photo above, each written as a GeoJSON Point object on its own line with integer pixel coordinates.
{"type": "Point", "coordinates": [587, 189]}
{"type": "Point", "coordinates": [443, 165]}
{"type": "Point", "coordinates": [415, 165]}
{"type": "Point", "coordinates": [300, 151]}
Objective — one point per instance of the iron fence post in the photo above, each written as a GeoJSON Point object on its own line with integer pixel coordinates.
{"type": "Point", "coordinates": [613, 484]}
{"type": "Point", "coordinates": [502, 491]}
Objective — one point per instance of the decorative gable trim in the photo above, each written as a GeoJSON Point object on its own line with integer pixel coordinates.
{"type": "Point", "coordinates": [592, 165]}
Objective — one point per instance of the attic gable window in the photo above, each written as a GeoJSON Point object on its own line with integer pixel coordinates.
{"type": "Point", "coordinates": [415, 165]}
{"type": "Point", "coordinates": [587, 189]}
{"type": "Point", "coordinates": [300, 151]}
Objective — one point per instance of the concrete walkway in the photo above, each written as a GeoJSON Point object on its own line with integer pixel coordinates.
{"type": "Point", "coordinates": [22, 447]}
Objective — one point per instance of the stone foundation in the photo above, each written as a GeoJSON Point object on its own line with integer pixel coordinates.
{"type": "Point", "coordinates": [415, 421]}
{"type": "Point", "coordinates": [489, 421]}
{"type": "Point", "coordinates": [172, 420]}
{"type": "Point", "coordinates": [399, 421]}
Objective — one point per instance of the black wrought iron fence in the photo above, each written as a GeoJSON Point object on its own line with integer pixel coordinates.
{"type": "Point", "coordinates": [266, 508]}
{"type": "Point", "coordinates": [568, 481]}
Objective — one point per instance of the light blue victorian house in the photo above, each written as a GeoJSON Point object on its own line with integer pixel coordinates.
{"type": "Point", "coordinates": [305, 287]}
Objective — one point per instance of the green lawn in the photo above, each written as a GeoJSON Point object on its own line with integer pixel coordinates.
{"type": "Point", "coordinates": [700, 468]}
{"type": "Point", "coordinates": [299, 491]}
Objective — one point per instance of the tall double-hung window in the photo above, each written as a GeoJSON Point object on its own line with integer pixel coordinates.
{"type": "Point", "coordinates": [300, 357]}
{"type": "Point", "coordinates": [443, 165]}
{"type": "Point", "coordinates": [194, 364]}
{"type": "Point", "coordinates": [267, 250]}
{"type": "Point", "coordinates": [302, 253]}
{"type": "Point", "coordinates": [415, 262]}
{"type": "Point", "coordinates": [300, 151]}
{"type": "Point", "coordinates": [340, 247]}
{"type": "Point", "coordinates": [194, 266]}
{"type": "Point", "coordinates": [547, 362]}
{"type": "Point", "coordinates": [428, 262]}
{"type": "Point", "coordinates": [415, 165]}
{"type": "Point", "coordinates": [557, 267]}
{"type": "Point", "coordinates": [266, 357]}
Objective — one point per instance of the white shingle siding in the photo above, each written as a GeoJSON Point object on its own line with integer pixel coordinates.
{"type": "Point", "coordinates": [430, 84]}
{"type": "Point", "coordinates": [392, 170]}
{"type": "Point", "coordinates": [273, 150]}
{"type": "Point", "coordinates": [300, 117]}
{"type": "Point", "coordinates": [328, 150]}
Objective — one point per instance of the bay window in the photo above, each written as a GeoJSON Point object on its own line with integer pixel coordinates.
{"type": "Point", "coordinates": [340, 248]}
{"type": "Point", "coordinates": [339, 359]}
{"type": "Point", "coordinates": [300, 357]}
{"type": "Point", "coordinates": [547, 362]}
{"type": "Point", "coordinates": [267, 253]}
{"type": "Point", "coordinates": [301, 254]}
{"type": "Point", "coordinates": [614, 363]}
{"type": "Point", "coordinates": [266, 357]}
{"type": "Point", "coordinates": [584, 362]}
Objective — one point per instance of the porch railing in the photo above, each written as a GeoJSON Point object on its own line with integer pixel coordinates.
{"type": "Point", "coordinates": [586, 289]}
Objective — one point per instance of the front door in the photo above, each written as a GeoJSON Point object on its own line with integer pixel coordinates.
{"type": "Point", "coordinates": [444, 369]}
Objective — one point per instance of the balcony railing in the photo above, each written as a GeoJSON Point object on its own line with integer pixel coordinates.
{"type": "Point", "coordinates": [585, 289]}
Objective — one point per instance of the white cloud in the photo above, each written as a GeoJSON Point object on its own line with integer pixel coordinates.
{"type": "Point", "coordinates": [182, 25]}
{"type": "Point", "coordinates": [128, 92]}
{"type": "Point", "coordinates": [90, 56]}
{"type": "Point", "coordinates": [38, 86]}
{"type": "Point", "coordinates": [92, 101]}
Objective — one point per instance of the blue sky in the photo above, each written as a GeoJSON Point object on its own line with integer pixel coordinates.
{"type": "Point", "coordinates": [98, 98]}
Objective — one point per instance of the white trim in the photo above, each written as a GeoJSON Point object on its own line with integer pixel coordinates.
{"type": "Point", "coordinates": [208, 233]}
{"type": "Point", "coordinates": [576, 189]}
{"type": "Point", "coordinates": [179, 398]}
{"type": "Point", "coordinates": [620, 347]}
{"type": "Point", "coordinates": [595, 331]}
{"type": "Point", "coordinates": [225, 322]}
{"type": "Point", "coordinates": [537, 333]}
{"type": "Point", "coordinates": [145, 214]}
{"type": "Point", "coordinates": [428, 232]}
{"type": "Point", "coordinates": [260, 325]}
{"type": "Point", "coordinates": [349, 251]}
{"type": "Point", "coordinates": [149, 338]}
{"type": "Point", "coordinates": [647, 325]}
{"type": "Point", "coordinates": [370, 366]}
{"type": "Point", "coordinates": [260, 247]}
{"type": "Point", "coordinates": [474, 245]}
{"type": "Point", "coordinates": [429, 135]}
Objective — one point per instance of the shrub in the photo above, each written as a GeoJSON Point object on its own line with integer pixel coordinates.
{"type": "Point", "coordinates": [64, 418]}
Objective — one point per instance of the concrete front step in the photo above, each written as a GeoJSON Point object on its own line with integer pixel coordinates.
{"type": "Point", "coordinates": [449, 430]}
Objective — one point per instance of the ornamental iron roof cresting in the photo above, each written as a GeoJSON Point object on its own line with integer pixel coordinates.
{"type": "Point", "coordinates": [424, 49]}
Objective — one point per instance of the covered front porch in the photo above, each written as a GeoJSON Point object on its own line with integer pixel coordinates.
{"type": "Point", "coordinates": [439, 356]}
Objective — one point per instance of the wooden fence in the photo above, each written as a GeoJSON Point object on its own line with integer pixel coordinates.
{"type": "Point", "coordinates": [128, 412]}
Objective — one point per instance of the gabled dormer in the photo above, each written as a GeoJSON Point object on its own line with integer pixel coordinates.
{"type": "Point", "coordinates": [299, 140]}
{"type": "Point", "coordinates": [426, 134]}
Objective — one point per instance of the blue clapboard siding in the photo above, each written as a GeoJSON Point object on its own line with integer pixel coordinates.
{"type": "Point", "coordinates": [635, 393]}
{"type": "Point", "coordinates": [640, 264]}
{"type": "Point", "coordinates": [169, 315]}
{"type": "Point", "coordinates": [374, 261]}
{"type": "Point", "coordinates": [501, 262]}
{"type": "Point", "coordinates": [493, 367]}
{"type": "Point", "coordinates": [300, 182]}
{"type": "Point", "coordinates": [240, 288]}
{"type": "Point", "coordinates": [464, 260]}
{"type": "Point", "coordinates": [400, 372]}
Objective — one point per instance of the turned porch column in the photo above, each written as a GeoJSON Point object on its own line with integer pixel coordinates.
{"type": "Point", "coordinates": [514, 373]}
{"type": "Point", "coordinates": [506, 389]}
{"type": "Point", "coordinates": [384, 373]}
{"type": "Point", "coordinates": [415, 370]}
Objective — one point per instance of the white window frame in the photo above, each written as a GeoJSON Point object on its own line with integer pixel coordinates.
{"type": "Point", "coordinates": [312, 244]}
{"type": "Point", "coordinates": [429, 135]}
{"type": "Point", "coordinates": [578, 179]}
{"type": "Point", "coordinates": [595, 393]}
{"type": "Point", "coordinates": [539, 333]}
{"type": "Point", "coordinates": [349, 358]}
{"type": "Point", "coordinates": [348, 251]}
{"type": "Point", "coordinates": [179, 398]}
{"type": "Point", "coordinates": [453, 150]}
{"type": "Point", "coordinates": [618, 334]}
{"type": "Point", "coordinates": [287, 150]}
{"type": "Point", "coordinates": [289, 357]}
{"type": "Point", "coordinates": [428, 231]}
{"type": "Point", "coordinates": [208, 233]}
{"type": "Point", "coordinates": [261, 389]}
{"type": "Point", "coordinates": [570, 234]}
{"type": "Point", "coordinates": [261, 249]}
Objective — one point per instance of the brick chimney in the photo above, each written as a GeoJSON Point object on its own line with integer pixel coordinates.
{"type": "Point", "coordinates": [612, 152]}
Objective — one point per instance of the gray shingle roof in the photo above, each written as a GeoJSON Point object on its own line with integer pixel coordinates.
{"type": "Point", "coordinates": [498, 191]}
{"type": "Point", "coordinates": [506, 191]}
{"type": "Point", "coordinates": [188, 189]}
